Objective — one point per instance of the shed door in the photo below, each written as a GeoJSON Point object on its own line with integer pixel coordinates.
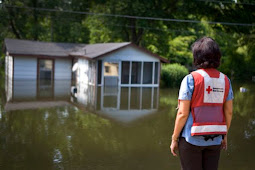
{"type": "Point", "coordinates": [45, 77]}
{"type": "Point", "coordinates": [45, 69]}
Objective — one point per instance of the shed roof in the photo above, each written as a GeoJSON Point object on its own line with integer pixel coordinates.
{"type": "Point", "coordinates": [96, 50]}
{"type": "Point", "coordinates": [52, 49]}
{"type": "Point", "coordinates": [39, 48]}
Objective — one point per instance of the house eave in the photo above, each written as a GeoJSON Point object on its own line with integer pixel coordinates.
{"type": "Point", "coordinates": [109, 52]}
{"type": "Point", "coordinates": [36, 55]}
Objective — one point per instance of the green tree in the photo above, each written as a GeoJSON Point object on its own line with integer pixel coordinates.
{"type": "Point", "coordinates": [105, 23]}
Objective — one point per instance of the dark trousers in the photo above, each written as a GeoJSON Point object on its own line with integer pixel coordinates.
{"type": "Point", "coordinates": [198, 157]}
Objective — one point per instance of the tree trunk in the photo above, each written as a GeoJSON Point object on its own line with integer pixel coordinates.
{"type": "Point", "coordinates": [35, 32]}
{"type": "Point", "coordinates": [14, 28]}
{"type": "Point", "coordinates": [136, 35]}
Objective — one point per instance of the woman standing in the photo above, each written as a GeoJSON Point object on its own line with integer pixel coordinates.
{"type": "Point", "coordinates": [204, 110]}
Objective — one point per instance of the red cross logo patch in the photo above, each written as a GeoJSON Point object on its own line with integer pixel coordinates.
{"type": "Point", "coordinates": [209, 89]}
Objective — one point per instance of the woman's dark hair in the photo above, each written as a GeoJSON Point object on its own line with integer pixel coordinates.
{"type": "Point", "coordinates": [206, 53]}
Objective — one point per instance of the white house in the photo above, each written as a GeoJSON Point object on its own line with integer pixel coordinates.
{"type": "Point", "coordinates": [117, 64]}
{"type": "Point", "coordinates": [105, 64]}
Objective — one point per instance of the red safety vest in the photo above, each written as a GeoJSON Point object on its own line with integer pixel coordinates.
{"type": "Point", "coordinates": [210, 92]}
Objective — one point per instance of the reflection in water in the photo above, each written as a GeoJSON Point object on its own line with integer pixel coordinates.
{"type": "Point", "coordinates": [57, 156]}
{"type": "Point", "coordinates": [28, 90]}
{"type": "Point", "coordinates": [69, 136]}
{"type": "Point", "coordinates": [30, 94]}
{"type": "Point", "coordinates": [124, 104]}
{"type": "Point", "coordinates": [45, 89]}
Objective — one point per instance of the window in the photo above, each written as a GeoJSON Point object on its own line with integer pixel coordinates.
{"type": "Point", "coordinates": [156, 73]}
{"type": "Point", "coordinates": [125, 72]}
{"type": "Point", "coordinates": [107, 69]}
{"type": "Point", "coordinates": [146, 98]}
{"type": "Point", "coordinates": [124, 98]}
{"type": "Point", "coordinates": [45, 84]}
{"type": "Point", "coordinates": [99, 71]}
{"type": "Point", "coordinates": [147, 73]}
{"type": "Point", "coordinates": [136, 73]}
{"type": "Point", "coordinates": [45, 69]}
{"type": "Point", "coordinates": [135, 98]}
{"type": "Point", "coordinates": [111, 73]}
{"type": "Point", "coordinates": [110, 101]}
{"type": "Point", "coordinates": [111, 69]}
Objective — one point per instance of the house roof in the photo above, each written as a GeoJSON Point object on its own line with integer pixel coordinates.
{"type": "Point", "coordinates": [38, 48]}
{"type": "Point", "coordinates": [52, 49]}
{"type": "Point", "coordinates": [96, 50]}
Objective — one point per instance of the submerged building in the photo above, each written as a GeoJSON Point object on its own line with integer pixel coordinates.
{"type": "Point", "coordinates": [116, 80]}
{"type": "Point", "coordinates": [113, 64]}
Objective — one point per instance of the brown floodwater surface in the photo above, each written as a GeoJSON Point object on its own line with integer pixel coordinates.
{"type": "Point", "coordinates": [49, 127]}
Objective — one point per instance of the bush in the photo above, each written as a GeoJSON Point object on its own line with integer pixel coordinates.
{"type": "Point", "coordinates": [172, 75]}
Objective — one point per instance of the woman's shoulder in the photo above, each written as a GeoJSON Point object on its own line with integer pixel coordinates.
{"type": "Point", "coordinates": [187, 87]}
{"type": "Point", "coordinates": [188, 80]}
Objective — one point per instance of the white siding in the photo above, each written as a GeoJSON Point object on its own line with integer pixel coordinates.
{"type": "Point", "coordinates": [83, 81]}
{"type": "Point", "coordinates": [62, 88]}
{"type": "Point", "coordinates": [6, 72]}
{"type": "Point", "coordinates": [25, 68]}
{"type": "Point", "coordinates": [63, 69]}
{"type": "Point", "coordinates": [92, 72]}
{"type": "Point", "coordinates": [10, 67]}
{"type": "Point", "coordinates": [24, 89]}
{"type": "Point", "coordinates": [86, 72]}
{"type": "Point", "coordinates": [27, 89]}
{"type": "Point", "coordinates": [83, 71]}
{"type": "Point", "coordinates": [86, 95]}
{"type": "Point", "coordinates": [82, 93]}
{"type": "Point", "coordinates": [8, 77]}
{"type": "Point", "coordinates": [129, 54]}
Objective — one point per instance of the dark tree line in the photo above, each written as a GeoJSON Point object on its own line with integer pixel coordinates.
{"type": "Point", "coordinates": [137, 21]}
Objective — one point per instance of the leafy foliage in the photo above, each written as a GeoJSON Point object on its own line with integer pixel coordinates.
{"type": "Point", "coordinates": [180, 50]}
{"type": "Point", "coordinates": [172, 74]}
{"type": "Point", "coordinates": [103, 21]}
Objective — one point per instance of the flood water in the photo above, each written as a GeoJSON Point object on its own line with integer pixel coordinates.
{"type": "Point", "coordinates": [47, 127]}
